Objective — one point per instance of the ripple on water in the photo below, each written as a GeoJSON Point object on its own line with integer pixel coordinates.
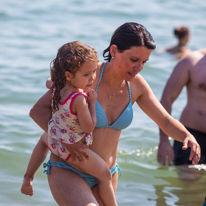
{"type": "Point", "coordinates": [30, 37]}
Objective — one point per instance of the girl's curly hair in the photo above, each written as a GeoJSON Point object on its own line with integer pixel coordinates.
{"type": "Point", "coordinates": [70, 57]}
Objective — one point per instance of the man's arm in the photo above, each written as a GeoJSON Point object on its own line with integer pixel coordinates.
{"type": "Point", "coordinates": [178, 79]}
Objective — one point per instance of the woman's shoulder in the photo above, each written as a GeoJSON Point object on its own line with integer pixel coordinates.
{"type": "Point", "coordinates": [99, 67]}
{"type": "Point", "coordinates": [137, 80]}
{"type": "Point", "coordinates": [138, 86]}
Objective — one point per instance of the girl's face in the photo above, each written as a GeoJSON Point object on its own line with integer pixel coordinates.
{"type": "Point", "coordinates": [84, 77]}
{"type": "Point", "coordinates": [130, 62]}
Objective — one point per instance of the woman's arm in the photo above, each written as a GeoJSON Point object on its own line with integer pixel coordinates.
{"type": "Point", "coordinates": [41, 111]}
{"type": "Point", "coordinates": [170, 126]}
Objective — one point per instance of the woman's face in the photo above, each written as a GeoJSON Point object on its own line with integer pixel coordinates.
{"type": "Point", "coordinates": [130, 62]}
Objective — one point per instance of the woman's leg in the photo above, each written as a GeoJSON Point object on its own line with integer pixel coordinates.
{"type": "Point", "coordinates": [38, 156]}
{"type": "Point", "coordinates": [98, 168]}
{"type": "Point", "coordinates": [68, 188]}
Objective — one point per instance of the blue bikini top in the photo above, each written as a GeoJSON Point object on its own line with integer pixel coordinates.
{"type": "Point", "coordinates": [123, 121]}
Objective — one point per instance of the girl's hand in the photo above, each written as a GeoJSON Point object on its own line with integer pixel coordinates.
{"type": "Point", "coordinates": [49, 83]}
{"type": "Point", "coordinates": [92, 96]}
{"type": "Point", "coordinates": [77, 150]}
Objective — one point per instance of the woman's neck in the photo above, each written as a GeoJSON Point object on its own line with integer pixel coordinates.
{"type": "Point", "coordinates": [110, 75]}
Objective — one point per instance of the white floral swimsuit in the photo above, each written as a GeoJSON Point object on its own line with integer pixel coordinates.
{"type": "Point", "coordinates": [64, 127]}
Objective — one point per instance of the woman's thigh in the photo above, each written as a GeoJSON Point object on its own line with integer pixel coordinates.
{"type": "Point", "coordinates": [69, 189]}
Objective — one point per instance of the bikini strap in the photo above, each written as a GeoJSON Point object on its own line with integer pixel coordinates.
{"type": "Point", "coordinates": [115, 169]}
{"type": "Point", "coordinates": [100, 77]}
{"type": "Point", "coordinates": [130, 95]}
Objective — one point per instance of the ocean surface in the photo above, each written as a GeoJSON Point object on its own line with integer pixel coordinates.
{"type": "Point", "coordinates": [30, 34]}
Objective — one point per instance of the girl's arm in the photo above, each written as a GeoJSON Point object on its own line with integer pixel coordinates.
{"type": "Point", "coordinates": [86, 115]}
{"type": "Point", "coordinates": [170, 126]}
{"type": "Point", "coordinates": [92, 100]}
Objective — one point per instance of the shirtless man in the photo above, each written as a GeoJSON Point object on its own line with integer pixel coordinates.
{"type": "Point", "coordinates": [190, 72]}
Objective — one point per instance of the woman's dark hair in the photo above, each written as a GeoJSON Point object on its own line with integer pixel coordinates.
{"type": "Point", "coordinates": [70, 57]}
{"type": "Point", "coordinates": [129, 35]}
{"type": "Point", "coordinates": [181, 32]}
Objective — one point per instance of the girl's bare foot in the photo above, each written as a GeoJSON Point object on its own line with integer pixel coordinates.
{"type": "Point", "coordinates": [27, 186]}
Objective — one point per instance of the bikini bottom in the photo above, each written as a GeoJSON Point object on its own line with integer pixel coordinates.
{"type": "Point", "coordinates": [92, 181]}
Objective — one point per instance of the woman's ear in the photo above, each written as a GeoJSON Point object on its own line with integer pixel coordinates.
{"type": "Point", "coordinates": [113, 50]}
{"type": "Point", "coordinates": [68, 76]}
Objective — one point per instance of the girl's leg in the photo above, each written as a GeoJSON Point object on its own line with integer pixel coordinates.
{"type": "Point", "coordinates": [38, 156]}
{"type": "Point", "coordinates": [68, 188]}
{"type": "Point", "coordinates": [97, 167]}
{"type": "Point", "coordinates": [96, 191]}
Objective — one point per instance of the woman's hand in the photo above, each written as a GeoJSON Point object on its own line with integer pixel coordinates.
{"type": "Point", "coordinates": [77, 150]}
{"type": "Point", "coordinates": [195, 153]}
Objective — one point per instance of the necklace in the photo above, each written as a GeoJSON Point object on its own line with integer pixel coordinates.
{"type": "Point", "coordinates": [109, 96]}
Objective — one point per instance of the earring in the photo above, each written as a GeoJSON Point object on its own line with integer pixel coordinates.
{"type": "Point", "coordinates": [112, 57]}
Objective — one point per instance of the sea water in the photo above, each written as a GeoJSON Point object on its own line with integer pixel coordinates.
{"type": "Point", "coordinates": [30, 34]}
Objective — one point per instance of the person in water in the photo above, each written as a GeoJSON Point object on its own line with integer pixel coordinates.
{"type": "Point", "coordinates": [182, 34]}
{"type": "Point", "coordinates": [118, 85]}
{"type": "Point", "coordinates": [190, 72]}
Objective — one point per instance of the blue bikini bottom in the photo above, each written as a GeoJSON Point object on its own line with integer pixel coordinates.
{"type": "Point", "coordinates": [92, 181]}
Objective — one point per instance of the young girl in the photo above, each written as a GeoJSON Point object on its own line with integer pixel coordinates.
{"type": "Point", "coordinates": [73, 71]}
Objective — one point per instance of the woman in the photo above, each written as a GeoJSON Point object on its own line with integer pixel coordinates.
{"type": "Point", "coordinates": [118, 86]}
